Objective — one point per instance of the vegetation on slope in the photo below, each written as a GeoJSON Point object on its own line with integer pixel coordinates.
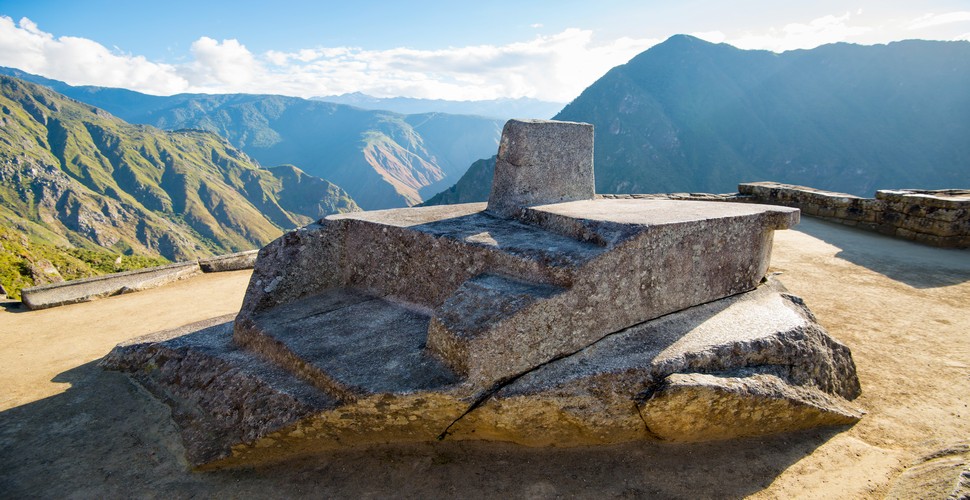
{"type": "Point", "coordinates": [474, 186]}
{"type": "Point", "coordinates": [383, 159]}
{"type": "Point", "coordinates": [75, 176]}
{"type": "Point", "coordinates": [24, 264]}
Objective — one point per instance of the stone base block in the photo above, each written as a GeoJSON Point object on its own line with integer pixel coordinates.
{"type": "Point", "coordinates": [753, 363]}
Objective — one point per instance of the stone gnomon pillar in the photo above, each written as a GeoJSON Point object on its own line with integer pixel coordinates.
{"type": "Point", "coordinates": [541, 162]}
{"type": "Point", "coordinates": [547, 317]}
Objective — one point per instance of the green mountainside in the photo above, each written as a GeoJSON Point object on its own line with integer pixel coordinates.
{"type": "Point", "coordinates": [688, 115]}
{"type": "Point", "coordinates": [74, 176]}
{"type": "Point", "coordinates": [383, 159]}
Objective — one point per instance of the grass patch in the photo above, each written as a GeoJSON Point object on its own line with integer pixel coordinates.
{"type": "Point", "coordinates": [21, 261]}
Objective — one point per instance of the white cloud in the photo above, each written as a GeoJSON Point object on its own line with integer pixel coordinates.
{"type": "Point", "coordinates": [826, 29]}
{"type": "Point", "coordinates": [535, 25]}
{"type": "Point", "coordinates": [553, 67]}
{"type": "Point", "coordinates": [930, 20]}
{"type": "Point", "coordinates": [81, 61]}
{"type": "Point", "coordinates": [964, 37]}
{"type": "Point", "coordinates": [222, 67]}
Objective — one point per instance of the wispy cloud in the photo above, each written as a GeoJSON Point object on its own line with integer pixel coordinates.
{"type": "Point", "coordinates": [554, 67]}
{"type": "Point", "coordinates": [930, 20]}
{"type": "Point", "coordinates": [819, 31]}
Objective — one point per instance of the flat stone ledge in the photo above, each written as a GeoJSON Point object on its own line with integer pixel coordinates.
{"type": "Point", "coordinates": [937, 198]}
{"type": "Point", "coordinates": [676, 196]}
{"type": "Point", "coordinates": [87, 289]}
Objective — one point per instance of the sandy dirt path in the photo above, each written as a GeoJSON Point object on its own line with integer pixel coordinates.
{"type": "Point", "coordinates": [69, 429]}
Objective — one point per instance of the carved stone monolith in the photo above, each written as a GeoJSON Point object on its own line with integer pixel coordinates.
{"type": "Point", "coordinates": [547, 317]}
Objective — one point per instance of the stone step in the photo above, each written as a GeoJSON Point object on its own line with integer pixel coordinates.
{"type": "Point", "coordinates": [220, 395]}
{"type": "Point", "coordinates": [477, 311]}
{"type": "Point", "coordinates": [349, 343]}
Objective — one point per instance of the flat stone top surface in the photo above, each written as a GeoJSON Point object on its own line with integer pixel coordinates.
{"type": "Point", "coordinates": [414, 216]}
{"type": "Point", "coordinates": [470, 224]}
{"type": "Point", "coordinates": [634, 212]}
{"type": "Point", "coordinates": [659, 212]}
{"type": "Point", "coordinates": [795, 187]}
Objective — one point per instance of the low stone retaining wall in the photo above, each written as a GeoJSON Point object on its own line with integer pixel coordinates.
{"type": "Point", "coordinates": [939, 218]}
{"type": "Point", "coordinates": [83, 290]}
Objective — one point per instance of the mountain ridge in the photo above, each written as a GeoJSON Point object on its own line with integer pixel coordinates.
{"type": "Point", "coordinates": [504, 109]}
{"type": "Point", "coordinates": [691, 116]}
{"type": "Point", "coordinates": [688, 115]}
{"type": "Point", "coordinates": [383, 159]}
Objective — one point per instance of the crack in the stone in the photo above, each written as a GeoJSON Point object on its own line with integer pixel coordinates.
{"type": "Point", "coordinates": [646, 428]}
{"type": "Point", "coordinates": [502, 383]}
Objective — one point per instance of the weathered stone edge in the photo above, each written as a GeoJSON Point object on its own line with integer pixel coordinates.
{"type": "Point", "coordinates": [939, 218]}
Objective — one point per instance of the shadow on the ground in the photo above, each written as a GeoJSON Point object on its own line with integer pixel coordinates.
{"type": "Point", "coordinates": [13, 306]}
{"type": "Point", "coordinates": [105, 437]}
{"type": "Point", "coordinates": [915, 264]}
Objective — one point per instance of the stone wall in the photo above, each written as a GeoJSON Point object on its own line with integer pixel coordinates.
{"type": "Point", "coordinates": [106, 285]}
{"type": "Point", "coordinates": [939, 218]}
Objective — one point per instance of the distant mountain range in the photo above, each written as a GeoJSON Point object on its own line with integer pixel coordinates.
{"type": "Point", "coordinates": [688, 115]}
{"type": "Point", "coordinates": [383, 159]}
{"type": "Point", "coordinates": [75, 176]}
{"type": "Point", "coordinates": [503, 109]}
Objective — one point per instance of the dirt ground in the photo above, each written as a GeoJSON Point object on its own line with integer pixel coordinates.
{"type": "Point", "coordinates": [69, 429]}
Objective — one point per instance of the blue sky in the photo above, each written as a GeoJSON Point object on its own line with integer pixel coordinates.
{"type": "Point", "coordinates": [435, 49]}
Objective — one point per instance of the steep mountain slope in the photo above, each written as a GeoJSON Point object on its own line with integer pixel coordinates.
{"type": "Point", "coordinates": [73, 175]}
{"type": "Point", "coordinates": [496, 108]}
{"type": "Point", "coordinates": [474, 186]}
{"type": "Point", "coordinates": [383, 159]}
{"type": "Point", "coordinates": [688, 115]}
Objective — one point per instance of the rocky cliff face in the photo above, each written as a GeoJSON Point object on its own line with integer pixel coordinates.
{"type": "Point", "coordinates": [74, 175]}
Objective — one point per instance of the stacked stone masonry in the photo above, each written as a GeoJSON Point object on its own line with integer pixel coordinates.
{"type": "Point", "coordinates": [939, 218]}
